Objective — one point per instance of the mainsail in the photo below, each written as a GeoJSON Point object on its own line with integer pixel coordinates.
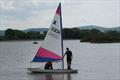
{"type": "Point", "coordinates": [52, 46]}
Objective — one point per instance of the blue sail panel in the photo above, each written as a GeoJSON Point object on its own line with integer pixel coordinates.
{"type": "Point", "coordinates": [44, 59]}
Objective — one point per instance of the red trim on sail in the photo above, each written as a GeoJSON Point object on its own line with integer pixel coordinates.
{"type": "Point", "coordinates": [42, 52]}
{"type": "Point", "coordinates": [58, 10]}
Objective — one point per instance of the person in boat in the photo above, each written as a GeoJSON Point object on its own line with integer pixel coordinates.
{"type": "Point", "coordinates": [69, 55]}
{"type": "Point", "coordinates": [48, 65]}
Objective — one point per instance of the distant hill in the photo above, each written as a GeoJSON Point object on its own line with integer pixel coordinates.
{"type": "Point", "coordinates": [41, 30]}
{"type": "Point", "coordinates": [114, 29]}
{"type": "Point", "coordinates": [102, 29]}
{"type": "Point", "coordinates": [36, 29]}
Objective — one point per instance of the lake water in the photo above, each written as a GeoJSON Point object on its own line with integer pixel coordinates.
{"type": "Point", "coordinates": [93, 61]}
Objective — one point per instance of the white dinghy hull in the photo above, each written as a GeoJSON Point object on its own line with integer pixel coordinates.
{"type": "Point", "coordinates": [38, 70]}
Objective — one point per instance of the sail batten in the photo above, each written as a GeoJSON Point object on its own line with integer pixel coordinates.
{"type": "Point", "coordinates": [51, 48]}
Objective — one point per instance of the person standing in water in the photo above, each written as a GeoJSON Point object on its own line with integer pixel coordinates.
{"type": "Point", "coordinates": [69, 55]}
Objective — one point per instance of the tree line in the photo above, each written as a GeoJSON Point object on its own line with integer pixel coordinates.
{"type": "Point", "coordinates": [93, 35]}
{"type": "Point", "coordinates": [11, 34]}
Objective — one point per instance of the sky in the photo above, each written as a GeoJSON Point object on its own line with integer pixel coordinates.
{"type": "Point", "coordinates": [24, 14]}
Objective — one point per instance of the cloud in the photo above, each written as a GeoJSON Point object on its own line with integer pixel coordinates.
{"type": "Point", "coordinates": [101, 13]}
{"type": "Point", "coordinates": [23, 14]}
{"type": "Point", "coordinates": [21, 9]}
{"type": "Point", "coordinates": [6, 5]}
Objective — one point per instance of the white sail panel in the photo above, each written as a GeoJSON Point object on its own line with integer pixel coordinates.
{"type": "Point", "coordinates": [51, 48]}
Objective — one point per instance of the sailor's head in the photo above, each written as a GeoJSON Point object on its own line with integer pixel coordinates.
{"type": "Point", "coordinates": [49, 61]}
{"type": "Point", "coordinates": [67, 49]}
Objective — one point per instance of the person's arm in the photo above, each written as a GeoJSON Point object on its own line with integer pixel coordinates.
{"type": "Point", "coordinates": [71, 56]}
{"type": "Point", "coordinates": [64, 55]}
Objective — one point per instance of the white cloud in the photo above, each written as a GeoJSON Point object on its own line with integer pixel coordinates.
{"type": "Point", "coordinates": [6, 5]}
{"type": "Point", "coordinates": [102, 13]}
{"type": "Point", "coordinates": [23, 14]}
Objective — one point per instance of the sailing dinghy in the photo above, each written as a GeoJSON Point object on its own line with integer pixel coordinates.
{"type": "Point", "coordinates": [52, 47]}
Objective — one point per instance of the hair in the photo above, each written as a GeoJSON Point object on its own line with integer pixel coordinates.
{"type": "Point", "coordinates": [67, 48]}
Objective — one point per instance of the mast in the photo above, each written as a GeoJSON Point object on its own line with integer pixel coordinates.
{"type": "Point", "coordinates": [61, 35]}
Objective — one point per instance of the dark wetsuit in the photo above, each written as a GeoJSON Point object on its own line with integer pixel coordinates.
{"type": "Point", "coordinates": [69, 58]}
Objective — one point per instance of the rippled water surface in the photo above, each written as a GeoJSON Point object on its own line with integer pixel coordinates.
{"type": "Point", "coordinates": [93, 61]}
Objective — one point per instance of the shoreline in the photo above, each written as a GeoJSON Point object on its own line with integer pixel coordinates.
{"type": "Point", "coordinates": [19, 40]}
{"type": "Point", "coordinates": [64, 40]}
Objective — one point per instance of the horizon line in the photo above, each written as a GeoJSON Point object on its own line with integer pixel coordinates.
{"type": "Point", "coordinates": [63, 27]}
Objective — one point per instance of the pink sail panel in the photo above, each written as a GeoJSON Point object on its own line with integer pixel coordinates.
{"type": "Point", "coordinates": [42, 52]}
{"type": "Point", "coordinates": [58, 10]}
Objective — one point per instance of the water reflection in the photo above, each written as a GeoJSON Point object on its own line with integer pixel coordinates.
{"type": "Point", "coordinates": [58, 76]}
{"type": "Point", "coordinates": [54, 77]}
{"type": "Point", "coordinates": [49, 77]}
{"type": "Point", "coordinates": [69, 76]}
